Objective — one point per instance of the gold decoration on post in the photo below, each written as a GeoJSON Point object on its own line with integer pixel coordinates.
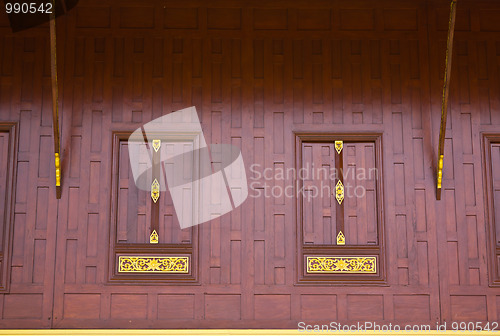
{"type": "Point", "coordinates": [140, 264]}
{"type": "Point", "coordinates": [440, 171]}
{"type": "Point", "coordinates": [339, 145]}
{"type": "Point", "coordinates": [156, 145]}
{"type": "Point", "coordinates": [339, 192]}
{"type": "Point", "coordinates": [155, 190]}
{"type": "Point", "coordinates": [340, 238]}
{"type": "Point", "coordinates": [58, 170]}
{"type": "Point", "coordinates": [153, 238]}
{"type": "Point", "coordinates": [341, 264]}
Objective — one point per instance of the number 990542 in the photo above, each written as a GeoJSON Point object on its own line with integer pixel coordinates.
{"type": "Point", "coordinates": [28, 8]}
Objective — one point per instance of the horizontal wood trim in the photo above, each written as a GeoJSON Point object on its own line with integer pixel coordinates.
{"type": "Point", "coordinates": [226, 332]}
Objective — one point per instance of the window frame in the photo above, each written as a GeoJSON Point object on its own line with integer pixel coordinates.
{"type": "Point", "coordinates": [11, 177]}
{"type": "Point", "coordinates": [304, 251]}
{"type": "Point", "coordinates": [492, 247]}
{"type": "Point", "coordinates": [146, 249]}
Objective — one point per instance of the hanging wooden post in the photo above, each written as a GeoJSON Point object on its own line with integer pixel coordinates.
{"type": "Point", "coordinates": [446, 91]}
{"type": "Point", "coordinates": [55, 100]}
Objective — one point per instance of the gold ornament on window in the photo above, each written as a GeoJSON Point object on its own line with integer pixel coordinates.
{"type": "Point", "coordinates": [339, 192]}
{"type": "Point", "coordinates": [156, 145]}
{"type": "Point", "coordinates": [143, 264]}
{"type": "Point", "coordinates": [155, 190]}
{"type": "Point", "coordinates": [341, 264]}
{"type": "Point", "coordinates": [153, 238]}
{"type": "Point", "coordinates": [339, 144]}
{"type": "Point", "coordinates": [340, 238]}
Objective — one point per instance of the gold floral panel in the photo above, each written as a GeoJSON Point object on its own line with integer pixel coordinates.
{"type": "Point", "coordinates": [341, 264]}
{"type": "Point", "coordinates": [150, 264]}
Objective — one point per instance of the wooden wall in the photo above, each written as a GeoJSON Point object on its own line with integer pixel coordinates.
{"type": "Point", "coordinates": [256, 72]}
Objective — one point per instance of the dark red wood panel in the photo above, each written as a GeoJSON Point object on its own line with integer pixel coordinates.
{"type": "Point", "coordinates": [258, 74]}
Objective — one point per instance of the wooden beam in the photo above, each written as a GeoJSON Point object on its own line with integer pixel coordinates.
{"type": "Point", "coordinates": [226, 332]}
{"type": "Point", "coordinates": [55, 100]}
{"type": "Point", "coordinates": [446, 91]}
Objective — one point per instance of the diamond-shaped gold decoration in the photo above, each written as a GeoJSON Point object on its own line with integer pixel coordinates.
{"type": "Point", "coordinates": [155, 190]}
{"type": "Point", "coordinates": [339, 144]}
{"type": "Point", "coordinates": [339, 192]}
{"type": "Point", "coordinates": [340, 238]}
{"type": "Point", "coordinates": [156, 145]}
{"type": "Point", "coordinates": [153, 238]}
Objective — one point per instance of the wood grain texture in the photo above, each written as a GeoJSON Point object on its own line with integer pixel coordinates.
{"type": "Point", "coordinates": [256, 73]}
